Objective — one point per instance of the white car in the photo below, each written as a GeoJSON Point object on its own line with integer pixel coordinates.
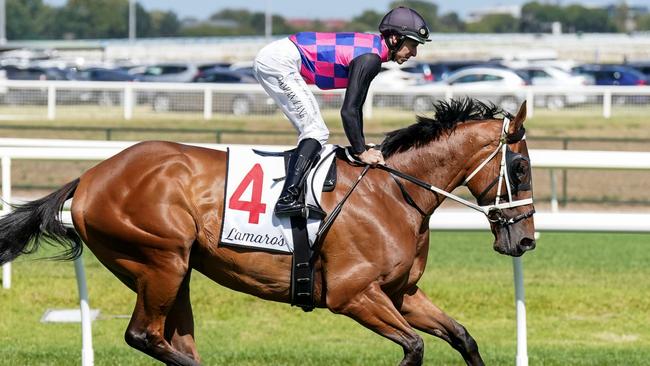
{"type": "Point", "coordinates": [395, 75]}
{"type": "Point", "coordinates": [493, 84]}
{"type": "Point", "coordinates": [554, 77]}
{"type": "Point", "coordinates": [166, 72]}
{"type": "Point", "coordinates": [243, 66]}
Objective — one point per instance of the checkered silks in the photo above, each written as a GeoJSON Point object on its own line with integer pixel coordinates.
{"type": "Point", "coordinates": [326, 56]}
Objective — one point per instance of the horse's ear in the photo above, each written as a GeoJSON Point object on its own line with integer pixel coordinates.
{"type": "Point", "coordinates": [518, 122]}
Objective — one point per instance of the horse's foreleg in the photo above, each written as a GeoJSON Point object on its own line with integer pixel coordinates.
{"type": "Point", "coordinates": [157, 288]}
{"type": "Point", "coordinates": [179, 324]}
{"type": "Point", "coordinates": [374, 310]}
{"type": "Point", "coordinates": [422, 314]}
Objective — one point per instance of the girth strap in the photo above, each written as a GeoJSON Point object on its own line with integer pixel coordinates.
{"type": "Point", "coordinates": [302, 271]}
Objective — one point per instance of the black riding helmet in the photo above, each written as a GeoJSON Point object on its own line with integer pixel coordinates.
{"type": "Point", "coordinates": [404, 23]}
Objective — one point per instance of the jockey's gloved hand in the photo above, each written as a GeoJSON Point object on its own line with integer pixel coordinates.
{"type": "Point", "coordinates": [372, 157]}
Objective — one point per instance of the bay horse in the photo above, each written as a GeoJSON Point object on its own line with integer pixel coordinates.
{"type": "Point", "coordinates": [152, 213]}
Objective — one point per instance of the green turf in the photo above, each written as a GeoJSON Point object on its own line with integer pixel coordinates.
{"type": "Point", "coordinates": [587, 302]}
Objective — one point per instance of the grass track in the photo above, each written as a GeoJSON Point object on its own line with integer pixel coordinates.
{"type": "Point", "coordinates": [587, 302]}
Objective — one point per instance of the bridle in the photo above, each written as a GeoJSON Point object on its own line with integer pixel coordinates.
{"type": "Point", "coordinates": [493, 212]}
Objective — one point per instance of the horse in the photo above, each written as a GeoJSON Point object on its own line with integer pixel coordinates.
{"type": "Point", "coordinates": [152, 213]}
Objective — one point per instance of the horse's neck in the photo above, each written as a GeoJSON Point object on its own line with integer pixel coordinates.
{"type": "Point", "coordinates": [441, 163]}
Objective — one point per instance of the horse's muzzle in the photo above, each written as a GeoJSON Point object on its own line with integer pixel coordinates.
{"type": "Point", "coordinates": [527, 244]}
{"type": "Point", "coordinates": [518, 250]}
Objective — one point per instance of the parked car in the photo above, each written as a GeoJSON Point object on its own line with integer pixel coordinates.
{"type": "Point", "coordinates": [612, 74]}
{"type": "Point", "coordinates": [480, 82]}
{"type": "Point", "coordinates": [34, 73]}
{"type": "Point", "coordinates": [552, 76]}
{"type": "Point", "coordinates": [617, 75]}
{"type": "Point", "coordinates": [394, 76]}
{"type": "Point", "coordinates": [102, 97]}
{"type": "Point", "coordinates": [103, 74]}
{"type": "Point", "coordinates": [168, 72]}
{"type": "Point", "coordinates": [245, 67]}
{"type": "Point", "coordinates": [642, 66]}
{"type": "Point", "coordinates": [420, 69]}
{"type": "Point", "coordinates": [440, 70]}
{"type": "Point", "coordinates": [237, 103]}
{"type": "Point", "coordinates": [212, 65]}
{"type": "Point", "coordinates": [34, 96]}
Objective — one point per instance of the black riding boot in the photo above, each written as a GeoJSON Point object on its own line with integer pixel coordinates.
{"type": "Point", "coordinates": [301, 160]}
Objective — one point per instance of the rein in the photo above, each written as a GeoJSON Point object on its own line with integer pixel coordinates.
{"type": "Point", "coordinates": [335, 212]}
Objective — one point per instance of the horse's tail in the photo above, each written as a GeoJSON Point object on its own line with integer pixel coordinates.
{"type": "Point", "coordinates": [22, 229]}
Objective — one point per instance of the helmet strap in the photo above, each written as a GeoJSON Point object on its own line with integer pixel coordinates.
{"type": "Point", "coordinates": [393, 48]}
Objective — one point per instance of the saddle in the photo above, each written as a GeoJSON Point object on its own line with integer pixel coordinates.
{"type": "Point", "coordinates": [253, 183]}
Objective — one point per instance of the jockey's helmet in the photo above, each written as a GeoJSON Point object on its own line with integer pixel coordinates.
{"type": "Point", "coordinates": [404, 23]}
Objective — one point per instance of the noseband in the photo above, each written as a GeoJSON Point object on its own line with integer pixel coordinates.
{"type": "Point", "coordinates": [493, 212]}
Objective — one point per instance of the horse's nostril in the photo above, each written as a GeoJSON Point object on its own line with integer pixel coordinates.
{"type": "Point", "coordinates": [527, 243]}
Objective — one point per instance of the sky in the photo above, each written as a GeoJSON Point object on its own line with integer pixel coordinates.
{"type": "Point", "coordinates": [324, 9]}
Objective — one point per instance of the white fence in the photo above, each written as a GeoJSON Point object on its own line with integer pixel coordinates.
{"type": "Point", "coordinates": [43, 149]}
{"type": "Point", "coordinates": [143, 99]}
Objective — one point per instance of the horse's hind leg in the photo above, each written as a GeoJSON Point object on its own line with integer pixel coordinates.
{"type": "Point", "coordinates": [422, 314]}
{"type": "Point", "coordinates": [374, 310]}
{"type": "Point", "coordinates": [157, 288]}
{"type": "Point", "coordinates": [179, 325]}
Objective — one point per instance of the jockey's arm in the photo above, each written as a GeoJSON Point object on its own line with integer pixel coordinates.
{"type": "Point", "coordinates": [362, 71]}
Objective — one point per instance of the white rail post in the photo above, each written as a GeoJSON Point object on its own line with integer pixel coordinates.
{"type": "Point", "coordinates": [607, 104]}
{"type": "Point", "coordinates": [207, 103]}
{"type": "Point", "coordinates": [6, 197]}
{"type": "Point", "coordinates": [522, 343]}
{"type": "Point", "coordinates": [51, 102]}
{"type": "Point", "coordinates": [449, 93]}
{"type": "Point", "coordinates": [87, 355]}
{"type": "Point", "coordinates": [128, 102]}
{"type": "Point", "coordinates": [554, 202]}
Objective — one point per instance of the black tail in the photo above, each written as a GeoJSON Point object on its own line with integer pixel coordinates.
{"type": "Point", "coordinates": [22, 229]}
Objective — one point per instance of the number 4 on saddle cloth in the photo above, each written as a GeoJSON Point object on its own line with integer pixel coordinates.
{"type": "Point", "coordinates": [253, 185]}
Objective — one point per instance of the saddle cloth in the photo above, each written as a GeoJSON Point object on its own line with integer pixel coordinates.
{"type": "Point", "coordinates": [252, 189]}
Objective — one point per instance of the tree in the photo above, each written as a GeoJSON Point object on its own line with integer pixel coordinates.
{"type": "Point", "coordinates": [495, 23]}
{"type": "Point", "coordinates": [451, 23]}
{"type": "Point", "coordinates": [28, 19]}
{"type": "Point", "coordinates": [164, 24]}
{"type": "Point", "coordinates": [643, 22]}
{"type": "Point", "coordinates": [366, 21]}
{"type": "Point", "coordinates": [99, 19]}
{"type": "Point", "coordinates": [231, 22]}
{"type": "Point", "coordinates": [536, 17]}
{"type": "Point", "coordinates": [578, 18]}
{"type": "Point", "coordinates": [621, 16]}
{"type": "Point", "coordinates": [280, 25]}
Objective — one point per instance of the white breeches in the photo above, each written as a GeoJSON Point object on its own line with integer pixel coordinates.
{"type": "Point", "coordinates": [277, 68]}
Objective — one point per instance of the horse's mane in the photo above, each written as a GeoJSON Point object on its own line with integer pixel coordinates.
{"type": "Point", "coordinates": [448, 115]}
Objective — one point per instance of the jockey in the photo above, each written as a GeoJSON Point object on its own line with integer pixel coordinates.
{"type": "Point", "coordinates": [331, 61]}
